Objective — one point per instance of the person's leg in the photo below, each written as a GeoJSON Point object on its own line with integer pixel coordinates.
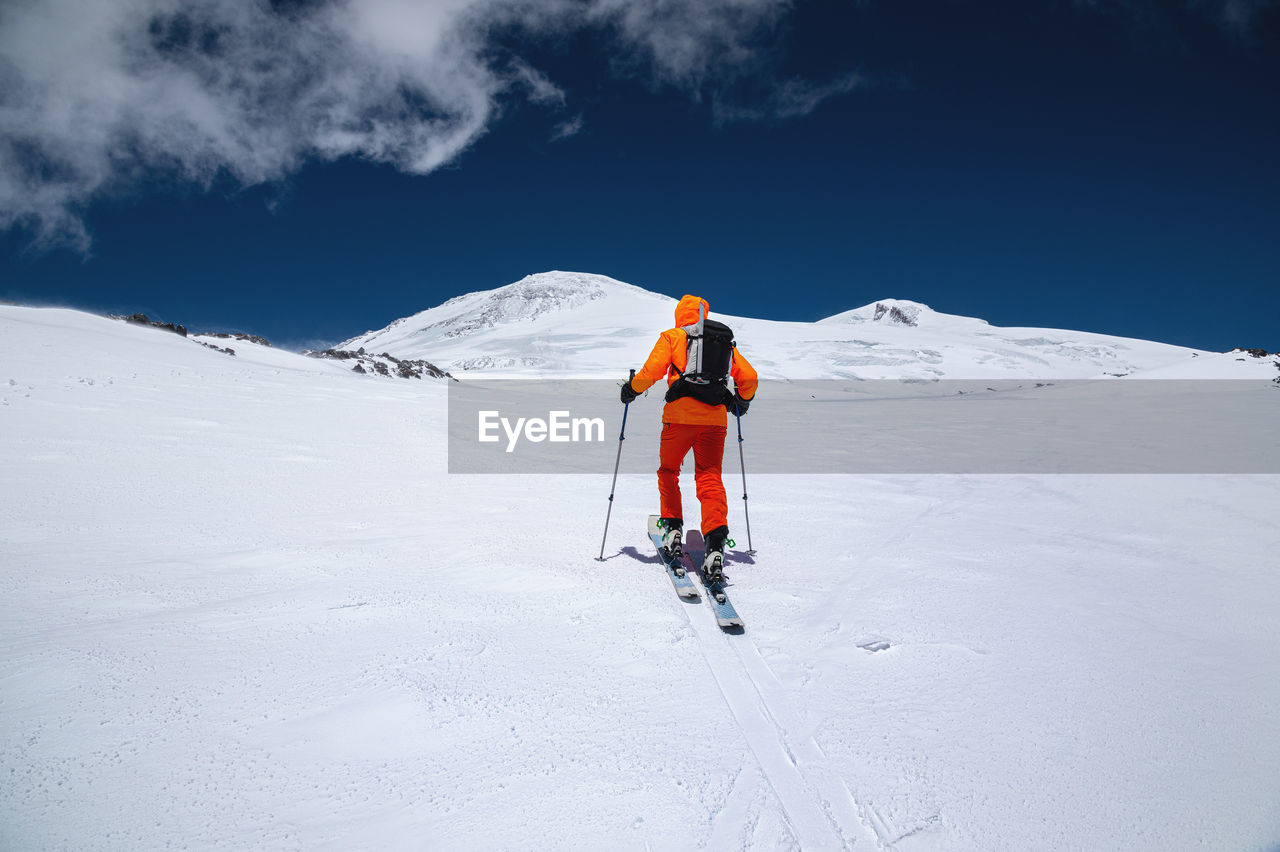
{"type": "Point", "coordinates": [708, 458]}
{"type": "Point", "coordinates": [677, 438]}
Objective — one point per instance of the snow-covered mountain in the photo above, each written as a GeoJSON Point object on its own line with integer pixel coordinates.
{"type": "Point", "coordinates": [555, 322]}
{"type": "Point", "coordinates": [568, 323]}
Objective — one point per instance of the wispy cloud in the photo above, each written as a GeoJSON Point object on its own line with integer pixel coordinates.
{"type": "Point", "coordinates": [96, 98]}
{"type": "Point", "coordinates": [1235, 16]}
{"type": "Point", "coordinates": [539, 88]}
{"type": "Point", "coordinates": [784, 99]}
{"type": "Point", "coordinates": [567, 129]}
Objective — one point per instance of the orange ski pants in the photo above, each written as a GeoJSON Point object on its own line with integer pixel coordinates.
{"type": "Point", "coordinates": [707, 443]}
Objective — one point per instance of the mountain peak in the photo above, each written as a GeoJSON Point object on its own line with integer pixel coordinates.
{"type": "Point", "coordinates": [552, 290]}
{"type": "Point", "coordinates": [527, 299]}
{"type": "Point", "coordinates": [532, 323]}
{"type": "Point", "coordinates": [900, 312]}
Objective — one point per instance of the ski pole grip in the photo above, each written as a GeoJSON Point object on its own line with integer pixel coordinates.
{"type": "Point", "coordinates": [622, 435]}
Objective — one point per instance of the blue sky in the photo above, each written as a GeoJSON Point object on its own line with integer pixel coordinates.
{"type": "Point", "coordinates": [1110, 166]}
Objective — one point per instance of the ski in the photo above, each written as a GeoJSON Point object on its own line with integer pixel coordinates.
{"type": "Point", "coordinates": [676, 571]}
{"type": "Point", "coordinates": [726, 615]}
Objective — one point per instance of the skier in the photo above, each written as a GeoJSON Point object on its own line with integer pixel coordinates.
{"type": "Point", "coordinates": [697, 358]}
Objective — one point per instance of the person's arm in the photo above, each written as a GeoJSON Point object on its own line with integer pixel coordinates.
{"type": "Point", "coordinates": [656, 365]}
{"type": "Point", "coordinates": [745, 379]}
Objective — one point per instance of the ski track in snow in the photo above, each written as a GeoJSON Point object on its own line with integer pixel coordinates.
{"type": "Point", "coordinates": [819, 812]}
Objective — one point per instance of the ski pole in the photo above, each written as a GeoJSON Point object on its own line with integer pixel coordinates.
{"type": "Point", "coordinates": [750, 550]}
{"type": "Point", "coordinates": [622, 436]}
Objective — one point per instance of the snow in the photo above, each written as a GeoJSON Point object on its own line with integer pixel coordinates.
{"type": "Point", "coordinates": [243, 605]}
{"type": "Point", "coordinates": [583, 325]}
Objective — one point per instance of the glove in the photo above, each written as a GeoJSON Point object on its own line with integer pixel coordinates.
{"type": "Point", "coordinates": [738, 406]}
{"type": "Point", "coordinates": [628, 393]}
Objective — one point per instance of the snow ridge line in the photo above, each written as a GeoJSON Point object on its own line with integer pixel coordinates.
{"type": "Point", "coordinates": [824, 817]}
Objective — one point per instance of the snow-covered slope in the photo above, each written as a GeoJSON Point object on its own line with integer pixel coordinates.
{"type": "Point", "coordinates": [556, 322]}
{"type": "Point", "coordinates": [243, 605]}
{"type": "Point", "coordinates": [564, 323]}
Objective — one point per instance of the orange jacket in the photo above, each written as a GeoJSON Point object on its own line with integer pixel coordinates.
{"type": "Point", "coordinates": [671, 351]}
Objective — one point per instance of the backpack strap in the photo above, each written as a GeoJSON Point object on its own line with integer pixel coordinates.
{"type": "Point", "coordinates": [693, 343]}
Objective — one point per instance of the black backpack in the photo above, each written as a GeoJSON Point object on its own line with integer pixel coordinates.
{"type": "Point", "coordinates": [709, 355]}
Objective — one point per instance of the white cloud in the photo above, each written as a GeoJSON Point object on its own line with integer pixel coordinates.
{"type": "Point", "coordinates": [789, 98]}
{"type": "Point", "coordinates": [689, 43]}
{"type": "Point", "coordinates": [97, 96]}
{"type": "Point", "coordinates": [566, 129]}
{"type": "Point", "coordinates": [539, 87]}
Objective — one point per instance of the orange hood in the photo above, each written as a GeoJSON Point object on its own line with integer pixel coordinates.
{"type": "Point", "coordinates": [687, 310]}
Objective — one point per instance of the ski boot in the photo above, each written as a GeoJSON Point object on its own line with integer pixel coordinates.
{"type": "Point", "coordinates": [672, 542]}
{"type": "Point", "coordinates": [713, 560]}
